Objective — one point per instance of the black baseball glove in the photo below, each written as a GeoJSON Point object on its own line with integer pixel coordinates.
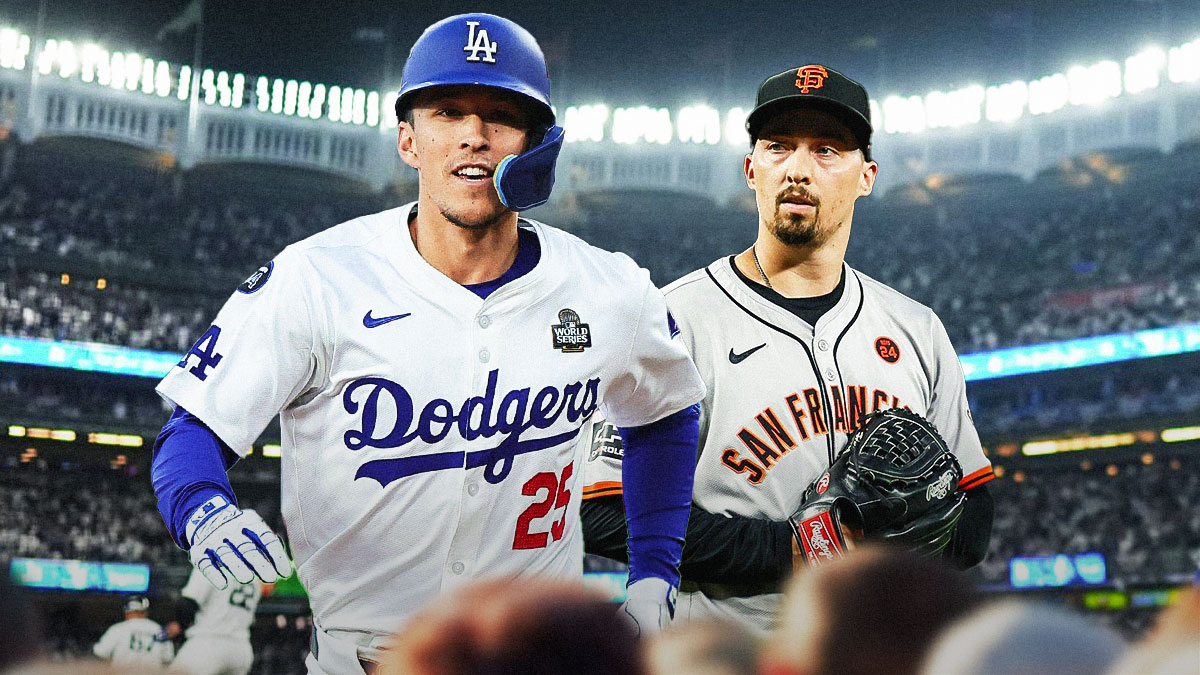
{"type": "Point", "coordinates": [895, 481]}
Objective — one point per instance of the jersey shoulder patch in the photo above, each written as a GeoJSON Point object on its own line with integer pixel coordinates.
{"type": "Point", "coordinates": [257, 280]}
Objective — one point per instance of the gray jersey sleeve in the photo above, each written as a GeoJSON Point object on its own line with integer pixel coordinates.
{"type": "Point", "coordinates": [950, 412]}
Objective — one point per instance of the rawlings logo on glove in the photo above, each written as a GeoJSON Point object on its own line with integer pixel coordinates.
{"type": "Point", "coordinates": [895, 481]}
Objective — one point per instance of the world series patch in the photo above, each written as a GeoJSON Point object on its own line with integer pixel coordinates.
{"type": "Point", "coordinates": [570, 334]}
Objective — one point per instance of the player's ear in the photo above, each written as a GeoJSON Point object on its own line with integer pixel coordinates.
{"type": "Point", "coordinates": [405, 145]}
{"type": "Point", "coordinates": [748, 169]}
{"type": "Point", "coordinates": [866, 180]}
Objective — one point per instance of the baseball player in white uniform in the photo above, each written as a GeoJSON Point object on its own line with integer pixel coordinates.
{"type": "Point", "coordinates": [137, 643]}
{"type": "Point", "coordinates": [433, 366]}
{"type": "Point", "coordinates": [795, 348]}
{"type": "Point", "coordinates": [218, 637]}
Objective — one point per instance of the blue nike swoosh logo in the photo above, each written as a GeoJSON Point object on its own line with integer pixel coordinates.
{"type": "Point", "coordinates": [371, 322]}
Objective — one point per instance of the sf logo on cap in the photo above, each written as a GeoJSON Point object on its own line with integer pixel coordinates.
{"type": "Point", "coordinates": [478, 41]}
{"type": "Point", "coordinates": [808, 77]}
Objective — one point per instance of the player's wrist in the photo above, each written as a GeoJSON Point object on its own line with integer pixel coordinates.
{"type": "Point", "coordinates": [207, 517]}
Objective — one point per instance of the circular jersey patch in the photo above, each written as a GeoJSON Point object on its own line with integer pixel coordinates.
{"type": "Point", "coordinates": [257, 280]}
{"type": "Point", "coordinates": [887, 349]}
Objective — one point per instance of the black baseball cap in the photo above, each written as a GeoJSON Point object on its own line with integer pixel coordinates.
{"type": "Point", "coordinates": [818, 87]}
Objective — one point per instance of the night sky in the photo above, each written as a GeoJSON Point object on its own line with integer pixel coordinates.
{"type": "Point", "coordinates": [669, 53]}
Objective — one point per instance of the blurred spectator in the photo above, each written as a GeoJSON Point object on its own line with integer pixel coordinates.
{"type": "Point", "coordinates": [1173, 646]}
{"type": "Point", "coordinates": [516, 626]}
{"type": "Point", "coordinates": [1011, 638]}
{"type": "Point", "coordinates": [873, 612]}
{"type": "Point", "coordinates": [20, 627]}
{"type": "Point", "coordinates": [703, 648]}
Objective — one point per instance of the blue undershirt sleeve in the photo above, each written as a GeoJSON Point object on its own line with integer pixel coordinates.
{"type": "Point", "coordinates": [657, 474]}
{"type": "Point", "coordinates": [188, 469]}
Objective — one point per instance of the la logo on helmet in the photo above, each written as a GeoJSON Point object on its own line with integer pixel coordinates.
{"type": "Point", "coordinates": [478, 41]}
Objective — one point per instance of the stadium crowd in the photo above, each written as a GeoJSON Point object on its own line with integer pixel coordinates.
{"type": "Point", "coordinates": [1138, 517]}
{"type": "Point", "coordinates": [1029, 264]}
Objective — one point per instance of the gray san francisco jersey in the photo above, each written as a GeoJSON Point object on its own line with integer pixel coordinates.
{"type": "Point", "coordinates": [429, 436]}
{"type": "Point", "coordinates": [783, 396]}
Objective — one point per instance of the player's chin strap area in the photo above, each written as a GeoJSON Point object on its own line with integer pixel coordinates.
{"type": "Point", "coordinates": [524, 181]}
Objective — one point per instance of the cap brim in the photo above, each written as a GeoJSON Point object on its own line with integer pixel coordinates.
{"type": "Point", "coordinates": [858, 125]}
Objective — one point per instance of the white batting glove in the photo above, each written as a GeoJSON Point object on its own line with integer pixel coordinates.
{"type": "Point", "coordinates": [650, 604]}
{"type": "Point", "coordinates": [227, 542]}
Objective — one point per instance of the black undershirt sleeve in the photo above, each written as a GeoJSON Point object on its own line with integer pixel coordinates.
{"type": "Point", "coordinates": [716, 549]}
{"type": "Point", "coordinates": [185, 612]}
{"type": "Point", "coordinates": [974, 531]}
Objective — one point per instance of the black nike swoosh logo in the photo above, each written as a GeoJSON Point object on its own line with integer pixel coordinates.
{"type": "Point", "coordinates": [734, 357]}
{"type": "Point", "coordinates": [371, 322]}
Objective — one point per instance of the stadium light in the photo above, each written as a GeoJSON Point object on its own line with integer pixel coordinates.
{"type": "Point", "coordinates": [304, 91]}
{"type": "Point", "coordinates": [954, 109]}
{"type": "Point", "coordinates": [373, 109]}
{"type": "Point", "coordinates": [698, 124]}
{"type": "Point", "coordinates": [1048, 94]}
{"type": "Point", "coordinates": [209, 86]}
{"type": "Point", "coordinates": [262, 93]}
{"type": "Point", "coordinates": [632, 125]}
{"type": "Point", "coordinates": [1143, 70]}
{"type": "Point", "coordinates": [585, 123]}
{"type": "Point", "coordinates": [1183, 62]}
{"type": "Point", "coordinates": [903, 115]}
{"type": "Point", "coordinates": [1006, 103]}
{"type": "Point", "coordinates": [1092, 84]}
{"type": "Point", "coordinates": [162, 79]}
{"type": "Point", "coordinates": [68, 59]}
{"type": "Point", "coordinates": [148, 76]}
{"type": "Point", "coordinates": [347, 105]}
{"type": "Point", "coordinates": [735, 127]}
{"type": "Point", "coordinates": [185, 83]}
{"type": "Point", "coordinates": [133, 69]}
{"type": "Point", "coordinates": [239, 90]}
{"type": "Point", "coordinates": [45, 61]}
{"type": "Point", "coordinates": [277, 96]}
{"type": "Point", "coordinates": [290, 92]}
{"type": "Point", "coordinates": [14, 47]}
{"type": "Point", "coordinates": [224, 93]}
{"type": "Point", "coordinates": [317, 102]}
{"type": "Point", "coordinates": [389, 109]}
{"type": "Point", "coordinates": [335, 104]}
{"type": "Point", "coordinates": [90, 60]}
{"type": "Point", "coordinates": [360, 107]}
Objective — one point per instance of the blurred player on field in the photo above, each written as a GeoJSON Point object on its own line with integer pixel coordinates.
{"type": "Point", "coordinates": [137, 643]}
{"type": "Point", "coordinates": [218, 627]}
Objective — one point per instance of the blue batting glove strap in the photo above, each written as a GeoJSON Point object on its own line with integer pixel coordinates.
{"type": "Point", "coordinates": [227, 544]}
{"type": "Point", "coordinates": [650, 604]}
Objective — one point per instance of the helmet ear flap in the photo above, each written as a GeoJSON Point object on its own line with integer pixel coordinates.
{"type": "Point", "coordinates": [524, 181]}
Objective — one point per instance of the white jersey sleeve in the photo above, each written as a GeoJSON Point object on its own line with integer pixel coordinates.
{"type": "Point", "coordinates": [104, 648]}
{"type": "Point", "coordinates": [659, 377]}
{"type": "Point", "coordinates": [950, 412]}
{"type": "Point", "coordinates": [258, 356]}
{"type": "Point", "coordinates": [198, 588]}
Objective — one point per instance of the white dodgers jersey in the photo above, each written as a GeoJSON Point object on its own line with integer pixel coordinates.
{"type": "Point", "coordinates": [429, 435]}
{"type": "Point", "coordinates": [783, 396]}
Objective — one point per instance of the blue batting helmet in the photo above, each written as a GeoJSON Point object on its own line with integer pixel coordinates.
{"type": "Point", "coordinates": [491, 51]}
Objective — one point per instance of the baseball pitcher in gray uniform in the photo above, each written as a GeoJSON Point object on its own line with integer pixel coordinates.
{"type": "Point", "coordinates": [796, 348]}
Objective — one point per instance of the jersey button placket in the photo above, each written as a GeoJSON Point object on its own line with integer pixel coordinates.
{"type": "Point", "coordinates": [485, 321]}
{"type": "Point", "coordinates": [458, 567]}
{"type": "Point", "coordinates": [823, 345]}
{"type": "Point", "coordinates": [484, 355]}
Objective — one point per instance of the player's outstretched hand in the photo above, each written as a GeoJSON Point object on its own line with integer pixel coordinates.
{"type": "Point", "coordinates": [650, 604]}
{"type": "Point", "coordinates": [228, 543]}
